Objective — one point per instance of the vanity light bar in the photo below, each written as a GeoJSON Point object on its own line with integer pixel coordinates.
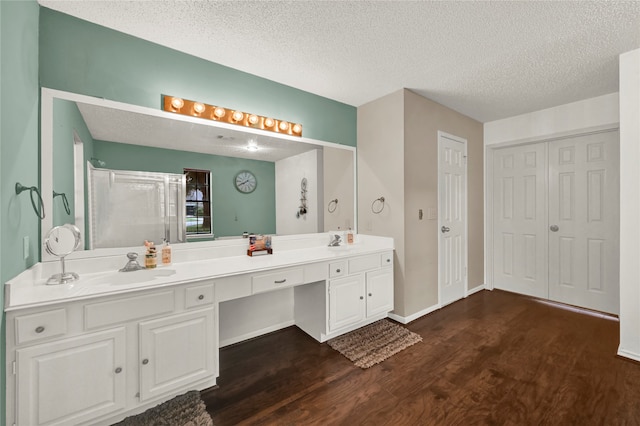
{"type": "Point", "coordinates": [225, 115]}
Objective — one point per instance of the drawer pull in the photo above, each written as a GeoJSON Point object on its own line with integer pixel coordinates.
{"type": "Point", "coordinates": [369, 294]}
{"type": "Point", "coordinates": [201, 297]}
{"type": "Point", "coordinates": [337, 271]}
{"type": "Point", "coordinates": [388, 260]}
{"type": "Point", "coordinates": [118, 370]}
{"type": "Point", "coordinates": [280, 281]}
{"type": "Point", "coordinates": [145, 361]}
{"type": "Point", "coordinates": [361, 297]}
{"type": "Point", "coordinates": [39, 329]}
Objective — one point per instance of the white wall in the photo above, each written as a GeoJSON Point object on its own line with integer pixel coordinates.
{"type": "Point", "coordinates": [589, 114]}
{"type": "Point", "coordinates": [630, 205]}
{"type": "Point", "coordinates": [289, 174]}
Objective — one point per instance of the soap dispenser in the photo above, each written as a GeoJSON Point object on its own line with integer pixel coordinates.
{"type": "Point", "coordinates": [166, 253]}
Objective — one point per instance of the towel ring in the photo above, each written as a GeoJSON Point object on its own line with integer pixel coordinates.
{"type": "Point", "coordinates": [333, 203]}
{"type": "Point", "coordinates": [65, 202]}
{"type": "Point", "coordinates": [39, 209]}
{"type": "Point", "coordinates": [381, 202]}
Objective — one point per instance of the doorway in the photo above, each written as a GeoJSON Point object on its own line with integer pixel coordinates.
{"type": "Point", "coordinates": [556, 220]}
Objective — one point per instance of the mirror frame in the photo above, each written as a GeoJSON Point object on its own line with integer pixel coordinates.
{"type": "Point", "coordinates": [46, 154]}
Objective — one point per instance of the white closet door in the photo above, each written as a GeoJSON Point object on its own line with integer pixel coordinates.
{"type": "Point", "coordinates": [584, 221]}
{"type": "Point", "coordinates": [519, 215]}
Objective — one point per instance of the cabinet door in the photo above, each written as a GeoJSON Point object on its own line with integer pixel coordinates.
{"type": "Point", "coordinates": [176, 351]}
{"type": "Point", "coordinates": [346, 301]}
{"type": "Point", "coordinates": [379, 291]}
{"type": "Point", "coordinates": [72, 380]}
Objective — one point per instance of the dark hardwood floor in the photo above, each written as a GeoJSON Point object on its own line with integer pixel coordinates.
{"type": "Point", "coordinates": [494, 358]}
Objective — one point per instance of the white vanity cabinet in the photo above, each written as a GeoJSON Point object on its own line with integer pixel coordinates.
{"type": "Point", "coordinates": [89, 371]}
{"type": "Point", "coordinates": [359, 291]}
{"type": "Point", "coordinates": [115, 344]}
{"type": "Point", "coordinates": [176, 351]}
{"type": "Point", "coordinates": [89, 362]}
{"type": "Point", "coordinates": [364, 291]}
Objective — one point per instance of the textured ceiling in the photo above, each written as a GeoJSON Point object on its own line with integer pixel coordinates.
{"type": "Point", "coordinates": [487, 60]}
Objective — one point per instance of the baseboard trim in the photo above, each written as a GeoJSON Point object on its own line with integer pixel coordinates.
{"type": "Point", "coordinates": [413, 317]}
{"type": "Point", "coordinates": [251, 335]}
{"type": "Point", "coordinates": [475, 290]}
{"type": "Point", "coordinates": [628, 354]}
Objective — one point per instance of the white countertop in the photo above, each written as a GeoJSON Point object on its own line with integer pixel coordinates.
{"type": "Point", "coordinates": [101, 278]}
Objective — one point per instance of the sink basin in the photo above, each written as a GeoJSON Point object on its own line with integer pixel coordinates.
{"type": "Point", "coordinates": [126, 278]}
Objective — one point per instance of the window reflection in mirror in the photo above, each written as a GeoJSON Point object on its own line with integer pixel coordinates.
{"type": "Point", "coordinates": [198, 202]}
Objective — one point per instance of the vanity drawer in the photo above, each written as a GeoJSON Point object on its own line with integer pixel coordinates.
{"type": "Point", "coordinates": [40, 326]}
{"type": "Point", "coordinates": [128, 309]}
{"type": "Point", "coordinates": [337, 269]}
{"type": "Point", "coordinates": [386, 259]}
{"type": "Point", "coordinates": [364, 263]}
{"type": "Point", "coordinates": [276, 280]}
{"type": "Point", "coordinates": [198, 295]}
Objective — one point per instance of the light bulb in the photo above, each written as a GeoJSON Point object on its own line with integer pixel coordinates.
{"type": "Point", "coordinates": [297, 128]}
{"type": "Point", "coordinates": [198, 107]}
{"type": "Point", "coordinates": [237, 116]}
{"type": "Point", "coordinates": [253, 119]}
{"type": "Point", "coordinates": [177, 103]}
{"type": "Point", "coordinates": [268, 122]}
{"type": "Point", "coordinates": [253, 145]}
{"type": "Point", "coordinates": [284, 125]}
{"type": "Point", "coordinates": [219, 112]}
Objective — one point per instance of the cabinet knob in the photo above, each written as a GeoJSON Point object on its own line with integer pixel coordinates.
{"type": "Point", "coordinates": [361, 297]}
{"type": "Point", "coordinates": [369, 294]}
{"type": "Point", "coordinates": [388, 260]}
{"type": "Point", "coordinates": [338, 270]}
{"type": "Point", "coordinates": [39, 329]}
{"type": "Point", "coordinates": [118, 370]}
{"type": "Point", "coordinates": [201, 297]}
{"type": "Point", "coordinates": [145, 361]}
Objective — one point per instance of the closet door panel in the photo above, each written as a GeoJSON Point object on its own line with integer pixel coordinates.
{"type": "Point", "coordinates": [584, 221]}
{"type": "Point", "coordinates": [519, 221]}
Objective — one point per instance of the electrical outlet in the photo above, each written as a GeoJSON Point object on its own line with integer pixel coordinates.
{"type": "Point", "coordinates": [25, 247]}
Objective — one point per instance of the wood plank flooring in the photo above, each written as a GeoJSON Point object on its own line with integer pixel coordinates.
{"type": "Point", "coordinates": [494, 358]}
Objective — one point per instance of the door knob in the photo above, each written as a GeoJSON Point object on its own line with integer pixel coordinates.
{"type": "Point", "coordinates": [445, 229]}
{"type": "Point", "coordinates": [554, 228]}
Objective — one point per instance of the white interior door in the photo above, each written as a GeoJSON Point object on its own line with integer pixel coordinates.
{"type": "Point", "coordinates": [556, 220]}
{"type": "Point", "coordinates": [584, 207]}
{"type": "Point", "coordinates": [520, 224]}
{"type": "Point", "coordinates": [452, 206]}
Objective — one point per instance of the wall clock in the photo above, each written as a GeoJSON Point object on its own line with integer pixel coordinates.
{"type": "Point", "coordinates": [245, 182]}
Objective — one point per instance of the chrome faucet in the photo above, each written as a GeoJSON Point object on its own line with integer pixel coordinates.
{"type": "Point", "coordinates": [335, 241]}
{"type": "Point", "coordinates": [132, 264]}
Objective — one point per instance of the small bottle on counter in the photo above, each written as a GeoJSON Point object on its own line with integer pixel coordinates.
{"type": "Point", "coordinates": [150, 260]}
{"type": "Point", "coordinates": [166, 253]}
{"type": "Point", "coordinates": [349, 236]}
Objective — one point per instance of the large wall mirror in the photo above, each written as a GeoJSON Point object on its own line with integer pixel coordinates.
{"type": "Point", "coordinates": [303, 185]}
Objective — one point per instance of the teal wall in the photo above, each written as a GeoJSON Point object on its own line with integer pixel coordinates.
{"type": "Point", "coordinates": [19, 113]}
{"type": "Point", "coordinates": [233, 212]}
{"type": "Point", "coordinates": [85, 58]}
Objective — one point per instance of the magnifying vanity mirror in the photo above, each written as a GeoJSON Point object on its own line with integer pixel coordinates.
{"type": "Point", "coordinates": [60, 242]}
{"type": "Point", "coordinates": [81, 133]}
